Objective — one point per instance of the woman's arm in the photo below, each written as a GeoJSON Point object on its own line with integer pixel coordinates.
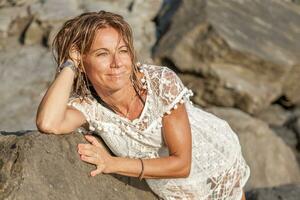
{"type": "Point", "coordinates": [53, 115]}
{"type": "Point", "coordinates": [177, 135]}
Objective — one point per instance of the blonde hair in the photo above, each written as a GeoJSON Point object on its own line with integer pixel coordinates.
{"type": "Point", "coordinates": [79, 33]}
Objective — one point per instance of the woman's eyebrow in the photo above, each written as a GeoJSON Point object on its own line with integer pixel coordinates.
{"type": "Point", "coordinates": [105, 49]}
{"type": "Point", "coordinates": [123, 46]}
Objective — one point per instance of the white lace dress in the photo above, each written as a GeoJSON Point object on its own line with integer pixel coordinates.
{"type": "Point", "coordinates": [218, 171]}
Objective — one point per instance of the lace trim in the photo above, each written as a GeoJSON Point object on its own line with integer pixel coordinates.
{"type": "Point", "coordinates": [183, 97]}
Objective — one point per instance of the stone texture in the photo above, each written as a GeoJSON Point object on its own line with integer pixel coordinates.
{"type": "Point", "coordinates": [34, 34]}
{"type": "Point", "coordinates": [35, 166]}
{"type": "Point", "coordinates": [271, 161]}
{"type": "Point", "coordinates": [245, 49]}
{"type": "Point", "coordinates": [9, 3]}
{"type": "Point", "coordinates": [54, 11]}
{"type": "Point", "coordinates": [291, 85]}
{"type": "Point", "coordinates": [274, 115]}
{"type": "Point", "coordinates": [196, 84]}
{"type": "Point", "coordinates": [13, 21]}
{"type": "Point", "coordinates": [284, 192]}
{"type": "Point", "coordinates": [24, 82]}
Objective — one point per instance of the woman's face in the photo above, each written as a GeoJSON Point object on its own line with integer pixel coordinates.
{"type": "Point", "coordinates": [108, 64]}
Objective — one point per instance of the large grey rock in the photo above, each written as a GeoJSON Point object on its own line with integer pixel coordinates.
{"type": "Point", "coordinates": [54, 11]}
{"type": "Point", "coordinates": [288, 135]}
{"type": "Point", "coordinates": [291, 85]}
{"type": "Point", "coordinates": [35, 166]}
{"type": "Point", "coordinates": [25, 75]}
{"type": "Point", "coordinates": [197, 85]}
{"type": "Point", "coordinates": [119, 7]}
{"type": "Point", "coordinates": [13, 21]}
{"type": "Point", "coordinates": [274, 115]}
{"type": "Point", "coordinates": [244, 48]}
{"type": "Point", "coordinates": [284, 192]}
{"type": "Point", "coordinates": [34, 34]}
{"type": "Point", "coordinates": [271, 161]}
{"type": "Point", "coordinates": [9, 3]}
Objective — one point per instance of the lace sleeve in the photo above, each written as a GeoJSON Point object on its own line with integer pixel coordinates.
{"type": "Point", "coordinates": [85, 108]}
{"type": "Point", "coordinates": [172, 90]}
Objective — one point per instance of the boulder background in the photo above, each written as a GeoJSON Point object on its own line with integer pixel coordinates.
{"type": "Point", "coordinates": [240, 57]}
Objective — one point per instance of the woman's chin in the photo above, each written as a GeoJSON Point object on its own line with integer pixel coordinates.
{"type": "Point", "coordinates": [118, 83]}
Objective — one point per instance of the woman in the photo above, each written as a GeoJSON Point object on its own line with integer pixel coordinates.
{"type": "Point", "coordinates": [142, 112]}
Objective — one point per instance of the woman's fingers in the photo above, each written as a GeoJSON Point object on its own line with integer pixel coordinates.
{"type": "Point", "coordinates": [98, 170]}
{"type": "Point", "coordinates": [92, 140]}
{"type": "Point", "coordinates": [89, 159]}
{"type": "Point", "coordinates": [87, 152]}
{"type": "Point", "coordinates": [94, 153]}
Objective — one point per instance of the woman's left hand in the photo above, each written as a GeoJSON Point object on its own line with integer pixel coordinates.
{"type": "Point", "coordinates": [95, 153]}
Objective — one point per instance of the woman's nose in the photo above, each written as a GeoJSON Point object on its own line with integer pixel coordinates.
{"type": "Point", "coordinates": [116, 61]}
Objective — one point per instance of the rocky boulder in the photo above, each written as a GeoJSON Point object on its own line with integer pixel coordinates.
{"type": "Point", "coordinates": [271, 160]}
{"type": "Point", "coordinates": [244, 49]}
{"type": "Point", "coordinates": [36, 166]}
{"type": "Point", "coordinates": [25, 75]}
{"type": "Point", "coordinates": [284, 192]}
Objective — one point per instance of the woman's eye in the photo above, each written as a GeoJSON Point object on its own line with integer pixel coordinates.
{"type": "Point", "coordinates": [124, 51]}
{"type": "Point", "coordinates": [102, 54]}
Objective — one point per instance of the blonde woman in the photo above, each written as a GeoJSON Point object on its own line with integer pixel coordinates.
{"type": "Point", "coordinates": [141, 111]}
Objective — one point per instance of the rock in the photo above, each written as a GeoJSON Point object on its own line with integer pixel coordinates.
{"type": "Point", "coordinates": [295, 1]}
{"type": "Point", "coordinates": [37, 166]}
{"type": "Point", "coordinates": [296, 126]}
{"type": "Point", "coordinates": [271, 161]}
{"type": "Point", "coordinates": [274, 115]}
{"type": "Point", "coordinates": [54, 11]}
{"type": "Point", "coordinates": [284, 192]}
{"type": "Point", "coordinates": [288, 135]}
{"type": "Point", "coordinates": [119, 7]}
{"type": "Point", "coordinates": [9, 3]}
{"type": "Point", "coordinates": [13, 21]}
{"type": "Point", "coordinates": [34, 34]}
{"type": "Point", "coordinates": [24, 82]}
{"type": "Point", "coordinates": [197, 85]}
{"type": "Point", "coordinates": [165, 15]}
{"type": "Point", "coordinates": [237, 46]}
{"type": "Point", "coordinates": [291, 85]}
{"type": "Point", "coordinates": [145, 11]}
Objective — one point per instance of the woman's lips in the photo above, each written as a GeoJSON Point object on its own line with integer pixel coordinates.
{"type": "Point", "coordinates": [116, 74]}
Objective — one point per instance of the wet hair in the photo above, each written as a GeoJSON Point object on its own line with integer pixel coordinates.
{"type": "Point", "coordinates": [79, 33]}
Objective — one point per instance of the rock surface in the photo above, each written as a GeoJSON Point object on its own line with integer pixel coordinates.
{"type": "Point", "coordinates": [244, 49]}
{"type": "Point", "coordinates": [35, 166]}
{"type": "Point", "coordinates": [285, 192]}
{"type": "Point", "coordinates": [24, 82]}
{"type": "Point", "coordinates": [271, 161]}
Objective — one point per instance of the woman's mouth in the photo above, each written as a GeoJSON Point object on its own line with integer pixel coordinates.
{"type": "Point", "coordinates": [116, 74]}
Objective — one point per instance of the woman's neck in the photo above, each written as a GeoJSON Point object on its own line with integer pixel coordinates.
{"type": "Point", "coordinates": [119, 99]}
